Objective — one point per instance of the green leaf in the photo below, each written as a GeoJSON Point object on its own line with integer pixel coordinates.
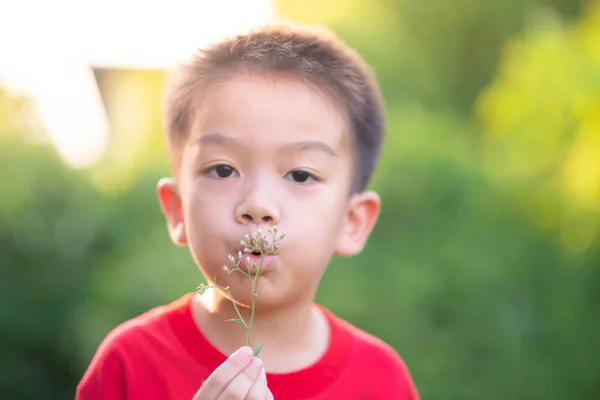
{"type": "Point", "coordinates": [201, 288]}
{"type": "Point", "coordinates": [258, 349]}
{"type": "Point", "coordinates": [239, 321]}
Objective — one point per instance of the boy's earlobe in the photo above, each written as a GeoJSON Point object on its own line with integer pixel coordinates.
{"type": "Point", "coordinates": [363, 212]}
{"type": "Point", "coordinates": [170, 203]}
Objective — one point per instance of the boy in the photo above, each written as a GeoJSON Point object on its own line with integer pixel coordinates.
{"type": "Point", "coordinates": [281, 126]}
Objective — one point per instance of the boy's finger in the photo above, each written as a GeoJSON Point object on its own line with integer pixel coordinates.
{"type": "Point", "coordinates": [259, 390]}
{"type": "Point", "coordinates": [263, 377]}
{"type": "Point", "coordinates": [269, 395]}
{"type": "Point", "coordinates": [224, 374]}
{"type": "Point", "coordinates": [239, 387]}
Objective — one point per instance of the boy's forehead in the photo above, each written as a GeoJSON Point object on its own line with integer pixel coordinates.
{"type": "Point", "coordinates": [269, 110]}
{"type": "Point", "coordinates": [281, 90]}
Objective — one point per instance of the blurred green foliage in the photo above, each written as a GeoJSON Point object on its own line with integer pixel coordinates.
{"type": "Point", "coordinates": [482, 271]}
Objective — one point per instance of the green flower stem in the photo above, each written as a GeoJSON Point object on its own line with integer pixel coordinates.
{"type": "Point", "coordinates": [203, 288]}
{"type": "Point", "coordinates": [258, 244]}
{"type": "Point", "coordinates": [254, 292]}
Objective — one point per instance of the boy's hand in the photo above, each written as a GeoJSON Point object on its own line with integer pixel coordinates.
{"type": "Point", "coordinates": [240, 377]}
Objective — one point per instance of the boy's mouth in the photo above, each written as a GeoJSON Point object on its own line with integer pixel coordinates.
{"type": "Point", "coordinates": [256, 260]}
{"type": "Point", "coordinates": [254, 252]}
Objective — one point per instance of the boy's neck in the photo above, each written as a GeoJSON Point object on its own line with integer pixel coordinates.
{"type": "Point", "coordinates": [294, 337]}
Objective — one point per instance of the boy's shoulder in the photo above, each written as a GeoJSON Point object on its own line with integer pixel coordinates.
{"type": "Point", "coordinates": [148, 326]}
{"type": "Point", "coordinates": [127, 346]}
{"type": "Point", "coordinates": [164, 320]}
{"type": "Point", "coordinates": [364, 343]}
{"type": "Point", "coordinates": [373, 360]}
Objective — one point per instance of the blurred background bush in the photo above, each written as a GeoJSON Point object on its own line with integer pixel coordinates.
{"type": "Point", "coordinates": [482, 271]}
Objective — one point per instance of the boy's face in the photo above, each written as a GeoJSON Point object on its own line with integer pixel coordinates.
{"type": "Point", "coordinates": [268, 151]}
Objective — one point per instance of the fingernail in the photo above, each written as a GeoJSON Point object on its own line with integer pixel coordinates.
{"type": "Point", "coordinates": [263, 374]}
{"type": "Point", "coordinates": [256, 364]}
{"type": "Point", "coordinates": [246, 352]}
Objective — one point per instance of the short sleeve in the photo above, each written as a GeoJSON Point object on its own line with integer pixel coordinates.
{"type": "Point", "coordinates": [401, 381]}
{"type": "Point", "coordinates": [404, 387]}
{"type": "Point", "coordinates": [105, 377]}
{"type": "Point", "coordinates": [391, 379]}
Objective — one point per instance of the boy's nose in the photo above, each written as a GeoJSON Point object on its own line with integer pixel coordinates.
{"type": "Point", "coordinates": [257, 218]}
{"type": "Point", "coordinates": [257, 208]}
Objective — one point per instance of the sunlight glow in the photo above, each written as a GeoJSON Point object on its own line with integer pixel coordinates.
{"type": "Point", "coordinates": [48, 50]}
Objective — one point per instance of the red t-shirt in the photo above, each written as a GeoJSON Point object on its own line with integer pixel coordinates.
{"type": "Point", "coordinates": [162, 354]}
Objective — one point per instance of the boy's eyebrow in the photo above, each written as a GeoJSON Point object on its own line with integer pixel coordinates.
{"type": "Point", "coordinates": [216, 138]}
{"type": "Point", "coordinates": [219, 138]}
{"type": "Point", "coordinates": [310, 145]}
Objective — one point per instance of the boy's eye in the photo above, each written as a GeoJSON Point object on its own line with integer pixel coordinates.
{"type": "Point", "coordinates": [221, 171]}
{"type": "Point", "coordinates": [301, 176]}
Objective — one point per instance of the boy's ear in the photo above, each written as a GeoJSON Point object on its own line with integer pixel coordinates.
{"type": "Point", "coordinates": [170, 203]}
{"type": "Point", "coordinates": [362, 214]}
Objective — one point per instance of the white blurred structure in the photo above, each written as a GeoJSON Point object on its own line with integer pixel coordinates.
{"type": "Point", "coordinates": [48, 50]}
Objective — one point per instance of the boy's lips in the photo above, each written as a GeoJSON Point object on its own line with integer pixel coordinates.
{"type": "Point", "coordinates": [267, 264]}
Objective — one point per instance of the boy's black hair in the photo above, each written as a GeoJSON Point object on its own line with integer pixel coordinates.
{"type": "Point", "coordinates": [313, 55]}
